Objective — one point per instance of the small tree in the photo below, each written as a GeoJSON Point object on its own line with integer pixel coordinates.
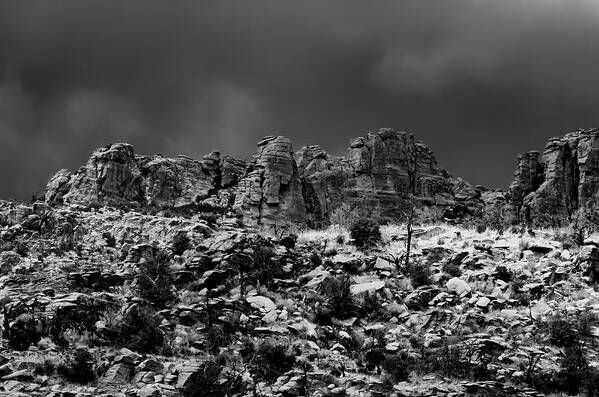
{"type": "Point", "coordinates": [154, 280]}
{"type": "Point", "coordinates": [494, 217]}
{"type": "Point", "coordinates": [409, 215]}
{"type": "Point", "coordinates": [366, 233]}
{"type": "Point", "coordinates": [585, 221]}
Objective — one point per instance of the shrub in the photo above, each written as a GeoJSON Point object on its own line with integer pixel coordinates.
{"type": "Point", "coordinates": [289, 241]}
{"type": "Point", "coordinates": [344, 215]}
{"type": "Point", "coordinates": [270, 360]}
{"type": "Point", "coordinates": [420, 274]}
{"type": "Point", "coordinates": [452, 269]}
{"type": "Point", "coordinates": [584, 222]}
{"type": "Point", "coordinates": [264, 266]}
{"type": "Point", "coordinates": [366, 233]}
{"type": "Point", "coordinates": [78, 367]}
{"type": "Point", "coordinates": [110, 240]}
{"type": "Point", "coordinates": [481, 228]}
{"type": "Point", "coordinates": [218, 335]}
{"type": "Point", "coordinates": [398, 365]}
{"type": "Point", "coordinates": [494, 217]}
{"type": "Point", "coordinates": [502, 273]}
{"type": "Point", "coordinates": [337, 294]}
{"type": "Point", "coordinates": [155, 280]}
{"type": "Point", "coordinates": [45, 367]}
{"type": "Point", "coordinates": [137, 329]}
{"type": "Point", "coordinates": [181, 243]}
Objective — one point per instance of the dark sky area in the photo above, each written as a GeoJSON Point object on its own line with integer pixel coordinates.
{"type": "Point", "coordinates": [478, 81]}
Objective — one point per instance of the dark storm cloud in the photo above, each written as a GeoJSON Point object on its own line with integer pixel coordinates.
{"type": "Point", "coordinates": [477, 81]}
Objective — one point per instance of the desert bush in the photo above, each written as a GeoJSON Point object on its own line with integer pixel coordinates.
{"type": "Point", "coordinates": [337, 298]}
{"type": "Point", "coordinates": [181, 243]}
{"type": "Point", "coordinates": [566, 236]}
{"type": "Point", "coordinates": [289, 241]}
{"type": "Point", "coordinates": [419, 273]}
{"type": "Point", "coordinates": [584, 222]}
{"type": "Point", "coordinates": [366, 233]}
{"type": "Point", "coordinates": [502, 273]}
{"type": "Point", "coordinates": [481, 228]}
{"type": "Point", "coordinates": [494, 217]}
{"type": "Point", "coordinates": [78, 367]}
{"type": "Point", "coordinates": [452, 269]}
{"type": "Point", "coordinates": [109, 238]}
{"type": "Point", "coordinates": [399, 365]}
{"type": "Point", "coordinates": [45, 367]}
{"type": "Point", "coordinates": [265, 267]}
{"type": "Point", "coordinates": [137, 329]}
{"type": "Point", "coordinates": [155, 280]}
{"type": "Point", "coordinates": [269, 360]}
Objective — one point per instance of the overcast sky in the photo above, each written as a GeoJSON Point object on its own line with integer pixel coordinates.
{"type": "Point", "coordinates": [478, 81]}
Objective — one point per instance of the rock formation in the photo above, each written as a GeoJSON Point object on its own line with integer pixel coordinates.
{"type": "Point", "coordinates": [277, 187]}
{"type": "Point", "coordinates": [271, 192]}
{"type": "Point", "coordinates": [115, 176]}
{"type": "Point", "coordinates": [380, 170]}
{"type": "Point", "coordinates": [566, 178]}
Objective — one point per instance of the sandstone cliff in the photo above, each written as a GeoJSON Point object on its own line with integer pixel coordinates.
{"type": "Point", "coordinates": [115, 176]}
{"type": "Point", "coordinates": [549, 189]}
{"type": "Point", "coordinates": [276, 187]}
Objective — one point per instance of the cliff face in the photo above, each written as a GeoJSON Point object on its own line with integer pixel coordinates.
{"type": "Point", "coordinates": [378, 170]}
{"type": "Point", "coordinates": [115, 176]}
{"type": "Point", "coordinates": [276, 187]}
{"type": "Point", "coordinates": [271, 193]}
{"type": "Point", "coordinates": [566, 178]}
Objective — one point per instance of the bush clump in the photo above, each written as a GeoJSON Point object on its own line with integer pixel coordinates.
{"type": "Point", "coordinates": [155, 280]}
{"type": "Point", "coordinates": [137, 329]}
{"type": "Point", "coordinates": [337, 300]}
{"type": "Point", "coordinates": [420, 274]}
{"type": "Point", "coordinates": [366, 233]}
{"type": "Point", "coordinates": [269, 360]}
{"type": "Point", "coordinates": [181, 243]}
{"type": "Point", "coordinates": [78, 367]}
{"type": "Point", "coordinates": [452, 269]}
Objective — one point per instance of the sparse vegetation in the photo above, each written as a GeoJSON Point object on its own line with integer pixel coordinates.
{"type": "Point", "coordinates": [78, 366]}
{"type": "Point", "coordinates": [366, 233]}
{"type": "Point", "coordinates": [155, 280]}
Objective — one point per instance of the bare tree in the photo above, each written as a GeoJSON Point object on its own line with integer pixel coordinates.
{"type": "Point", "coordinates": [409, 215]}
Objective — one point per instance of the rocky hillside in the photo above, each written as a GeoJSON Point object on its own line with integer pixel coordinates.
{"type": "Point", "coordinates": [277, 187]}
{"type": "Point", "coordinates": [148, 276]}
{"type": "Point", "coordinates": [106, 302]}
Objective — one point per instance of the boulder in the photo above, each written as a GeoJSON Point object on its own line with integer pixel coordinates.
{"type": "Point", "coordinates": [198, 378]}
{"type": "Point", "coordinates": [458, 286]}
{"type": "Point", "coordinates": [119, 373]}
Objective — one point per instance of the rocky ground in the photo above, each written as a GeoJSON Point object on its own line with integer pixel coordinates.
{"type": "Point", "coordinates": [101, 302]}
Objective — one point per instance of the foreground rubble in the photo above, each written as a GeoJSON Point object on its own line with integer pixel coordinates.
{"type": "Point", "coordinates": [245, 313]}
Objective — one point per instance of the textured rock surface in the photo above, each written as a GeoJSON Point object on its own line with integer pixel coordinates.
{"type": "Point", "coordinates": [564, 179]}
{"type": "Point", "coordinates": [271, 193]}
{"type": "Point", "coordinates": [277, 188]}
{"type": "Point", "coordinates": [180, 181]}
{"type": "Point", "coordinates": [111, 176]}
{"type": "Point", "coordinates": [114, 175]}
{"type": "Point", "coordinates": [379, 170]}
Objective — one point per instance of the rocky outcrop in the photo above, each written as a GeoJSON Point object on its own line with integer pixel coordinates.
{"type": "Point", "coordinates": [111, 177]}
{"type": "Point", "coordinates": [180, 181]}
{"type": "Point", "coordinates": [271, 192]}
{"type": "Point", "coordinates": [115, 176]}
{"type": "Point", "coordinates": [380, 170]}
{"type": "Point", "coordinates": [276, 188]}
{"type": "Point", "coordinates": [551, 189]}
